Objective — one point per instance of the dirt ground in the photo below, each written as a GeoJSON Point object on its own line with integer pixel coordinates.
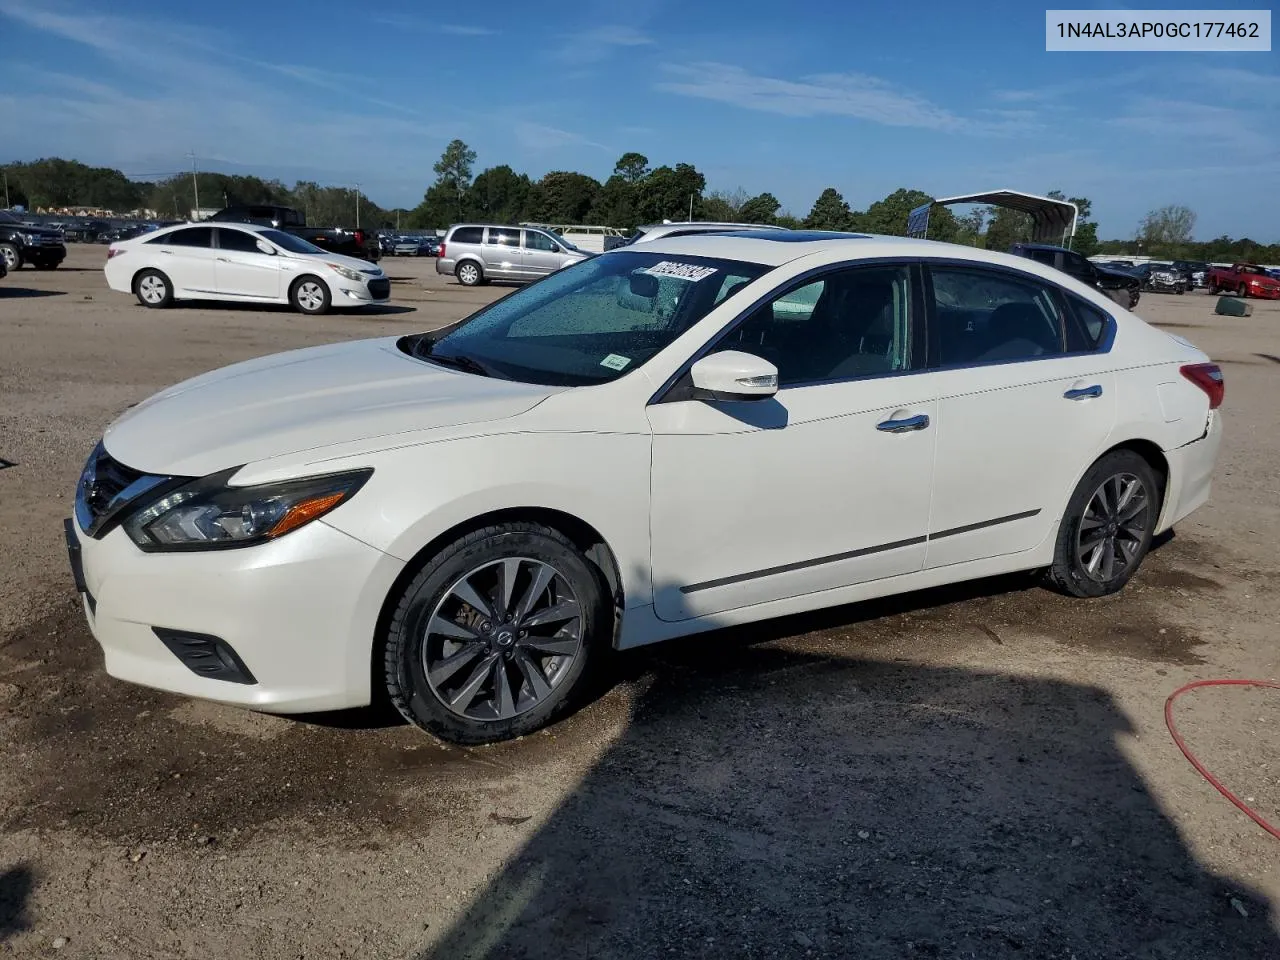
{"type": "Point", "coordinates": [978, 771]}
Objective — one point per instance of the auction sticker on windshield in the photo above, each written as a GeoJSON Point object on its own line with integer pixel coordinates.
{"type": "Point", "coordinates": [681, 271]}
{"type": "Point", "coordinates": [615, 362]}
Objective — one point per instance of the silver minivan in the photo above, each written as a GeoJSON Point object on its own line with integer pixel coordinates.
{"type": "Point", "coordinates": [477, 252]}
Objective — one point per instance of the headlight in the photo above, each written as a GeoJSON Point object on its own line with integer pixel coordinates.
{"type": "Point", "coordinates": [207, 514]}
{"type": "Point", "coordinates": [347, 272]}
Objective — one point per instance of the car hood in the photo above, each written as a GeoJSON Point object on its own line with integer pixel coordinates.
{"type": "Point", "coordinates": [36, 231]}
{"type": "Point", "coordinates": [1118, 273]}
{"type": "Point", "coordinates": [351, 263]}
{"type": "Point", "coordinates": [303, 400]}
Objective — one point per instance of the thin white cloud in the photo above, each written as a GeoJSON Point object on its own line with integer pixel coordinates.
{"type": "Point", "coordinates": [426, 25]}
{"type": "Point", "coordinates": [600, 43]}
{"type": "Point", "coordinates": [1223, 127]}
{"type": "Point", "coordinates": [465, 30]}
{"type": "Point", "coordinates": [540, 137]}
{"type": "Point", "coordinates": [830, 94]}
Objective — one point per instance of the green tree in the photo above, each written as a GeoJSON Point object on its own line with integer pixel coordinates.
{"type": "Point", "coordinates": [566, 197]}
{"type": "Point", "coordinates": [1007, 227]}
{"type": "Point", "coordinates": [1085, 241]}
{"type": "Point", "coordinates": [453, 172]}
{"type": "Point", "coordinates": [830, 212]}
{"type": "Point", "coordinates": [788, 220]}
{"type": "Point", "coordinates": [889, 216]}
{"type": "Point", "coordinates": [671, 193]}
{"type": "Point", "coordinates": [499, 194]}
{"type": "Point", "coordinates": [632, 167]}
{"type": "Point", "coordinates": [762, 208]}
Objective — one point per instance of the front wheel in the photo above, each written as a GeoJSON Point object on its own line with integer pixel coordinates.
{"type": "Point", "coordinates": [12, 258]}
{"type": "Point", "coordinates": [495, 636]}
{"type": "Point", "coordinates": [1243, 292]}
{"type": "Point", "coordinates": [470, 274]}
{"type": "Point", "coordinates": [1108, 526]}
{"type": "Point", "coordinates": [310, 295]}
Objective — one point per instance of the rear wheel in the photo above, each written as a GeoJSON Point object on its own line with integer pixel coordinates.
{"type": "Point", "coordinates": [495, 636]}
{"type": "Point", "coordinates": [153, 289]}
{"type": "Point", "coordinates": [310, 295]}
{"type": "Point", "coordinates": [469, 274]}
{"type": "Point", "coordinates": [1107, 528]}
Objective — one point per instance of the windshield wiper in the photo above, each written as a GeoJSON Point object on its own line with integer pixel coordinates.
{"type": "Point", "coordinates": [459, 362]}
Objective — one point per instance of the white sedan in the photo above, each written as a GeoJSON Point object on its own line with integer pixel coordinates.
{"type": "Point", "coordinates": [665, 439]}
{"type": "Point", "coordinates": [240, 262]}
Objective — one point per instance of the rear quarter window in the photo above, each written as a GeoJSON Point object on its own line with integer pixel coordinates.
{"type": "Point", "coordinates": [467, 235]}
{"type": "Point", "coordinates": [1091, 322]}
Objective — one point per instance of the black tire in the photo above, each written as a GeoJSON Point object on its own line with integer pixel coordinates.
{"type": "Point", "coordinates": [12, 256]}
{"type": "Point", "coordinates": [404, 666]}
{"type": "Point", "coordinates": [310, 295]}
{"type": "Point", "coordinates": [1243, 292]}
{"type": "Point", "coordinates": [469, 273]}
{"type": "Point", "coordinates": [1134, 297]}
{"type": "Point", "coordinates": [45, 264]}
{"type": "Point", "coordinates": [153, 289]}
{"type": "Point", "coordinates": [1072, 557]}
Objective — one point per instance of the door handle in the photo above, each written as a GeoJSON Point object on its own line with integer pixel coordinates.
{"type": "Point", "coordinates": [1084, 393]}
{"type": "Point", "coordinates": [905, 425]}
{"type": "Point", "coordinates": [223, 260]}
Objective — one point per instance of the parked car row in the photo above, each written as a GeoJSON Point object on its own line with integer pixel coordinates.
{"type": "Point", "coordinates": [22, 243]}
{"type": "Point", "coordinates": [409, 245]}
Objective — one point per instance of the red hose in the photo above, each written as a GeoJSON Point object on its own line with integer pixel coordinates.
{"type": "Point", "coordinates": [1186, 751]}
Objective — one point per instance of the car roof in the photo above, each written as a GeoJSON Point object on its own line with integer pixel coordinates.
{"type": "Point", "coordinates": [220, 224]}
{"type": "Point", "coordinates": [774, 248]}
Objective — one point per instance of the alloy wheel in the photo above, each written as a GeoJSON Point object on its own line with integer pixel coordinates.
{"type": "Point", "coordinates": [468, 274]}
{"type": "Point", "coordinates": [502, 638]}
{"type": "Point", "coordinates": [152, 289]}
{"type": "Point", "coordinates": [310, 295]}
{"type": "Point", "coordinates": [1113, 528]}
{"type": "Point", "coordinates": [10, 257]}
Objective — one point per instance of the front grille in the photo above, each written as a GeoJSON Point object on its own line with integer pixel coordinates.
{"type": "Point", "coordinates": [380, 289]}
{"type": "Point", "coordinates": [108, 479]}
{"type": "Point", "coordinates": [107, 487]}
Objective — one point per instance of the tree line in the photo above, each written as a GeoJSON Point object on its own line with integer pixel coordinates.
{"type": "Point", "coordinates": [57, 183]}
{"type": "Point", "coordinates": [636, 192]}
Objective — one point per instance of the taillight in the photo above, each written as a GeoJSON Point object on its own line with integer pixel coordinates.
{"type": "Point", "coordinates": [1208, 377]}
{"type": "Point", "coordinates": [360, 238]}
{"type": "Point", "coordinates": [440, 249]}
{"type": "Point", "coordinates": [113, 252]}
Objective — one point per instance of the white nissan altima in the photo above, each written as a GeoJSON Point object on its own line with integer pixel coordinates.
{"type": "Point", "coordinates": [240, 262]}
{"type": "Point", "coordinates": [707, 431]}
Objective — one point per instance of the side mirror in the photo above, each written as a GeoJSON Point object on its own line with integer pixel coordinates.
{"type": "Point", "coordinates": [264, 247]}
{"type": "Point", "coordinates": [733, 375]}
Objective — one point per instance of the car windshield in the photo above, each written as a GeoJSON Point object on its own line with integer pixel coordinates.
{"type": "Point", "coordinates": [287, 241]}
{"type": "Point", "coordinates": [589, 323]}
{"type": "Point", "coordinates": [8, 218]}
{"type": "Point", "coordinates": [1250, 268]}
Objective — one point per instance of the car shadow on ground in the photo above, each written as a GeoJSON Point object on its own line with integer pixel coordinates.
{"type": "Point", "coordinates": [16, 293]}
{"type": "Point", "coordinates": [776, 799]}
{"type": "Point", "coordinates": [373, 310]}
{"type": "Point", "coordinates": [16, 884]}
{"type": "Point", "coordinates": [858, 808]}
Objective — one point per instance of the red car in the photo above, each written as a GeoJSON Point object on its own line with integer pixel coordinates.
{"type": "Point", "coordinates": [1244, 280]}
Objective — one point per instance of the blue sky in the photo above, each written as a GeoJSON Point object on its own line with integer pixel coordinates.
{"type": "Point", "coordinates": [786, 97]}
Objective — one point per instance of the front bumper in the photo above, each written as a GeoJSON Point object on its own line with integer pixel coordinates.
{"type": "Point", "coordinates": [300, 613]}
{"type": "Point", "coordinates": [350, 294]}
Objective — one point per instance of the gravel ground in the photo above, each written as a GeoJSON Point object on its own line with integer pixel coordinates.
{"type": "Point", "coordinates": [977, 771]}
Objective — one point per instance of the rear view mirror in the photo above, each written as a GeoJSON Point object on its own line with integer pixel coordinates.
{"type": "Point", "coordinates": [264, 247]}
{"type": "Point", "coordinates": [733, 375]}
{"type": "Point", "coordinates": [644, 285]}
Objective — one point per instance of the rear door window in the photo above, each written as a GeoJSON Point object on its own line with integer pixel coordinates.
{"type": "Point", "coordinates": [190, 237]}
{"type": "Point", "coordinates": [238, 240]}
{"type": "Point", "coordinates": [504, 236]}
{"type": "Point", "coordinates": [985, 316]}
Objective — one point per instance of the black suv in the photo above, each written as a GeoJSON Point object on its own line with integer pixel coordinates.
{"type": "Point", "coordinates": [1121, 286]}
{"type": "Point", "coordinates": [19, 243]}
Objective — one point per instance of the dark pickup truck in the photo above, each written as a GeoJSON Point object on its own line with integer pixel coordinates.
{"type": "Point", "coordinates": [20, 243]}
{"type": "Point", "coordinates": [352, 243]}
{"type": "Point", "coordinates": [1120, 285]}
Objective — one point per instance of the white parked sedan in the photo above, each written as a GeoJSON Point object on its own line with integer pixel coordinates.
{"type": "Point", "coordinates": [678, 436]}
{"type": "Point", "coordinates": [241, 262]}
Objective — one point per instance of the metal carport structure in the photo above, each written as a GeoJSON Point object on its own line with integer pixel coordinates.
{"type": "Point", "coordinates": [1053, 220]}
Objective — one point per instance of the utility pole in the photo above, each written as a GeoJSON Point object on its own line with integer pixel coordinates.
{"type": "Point", "coordinates": [195, 181]}
{"type": "Point", "coordinates": [6, 189]}
{"type": "Point", "coordinates": [357, 206]}
{"type": "Point", "coordinates": [690, 220]}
